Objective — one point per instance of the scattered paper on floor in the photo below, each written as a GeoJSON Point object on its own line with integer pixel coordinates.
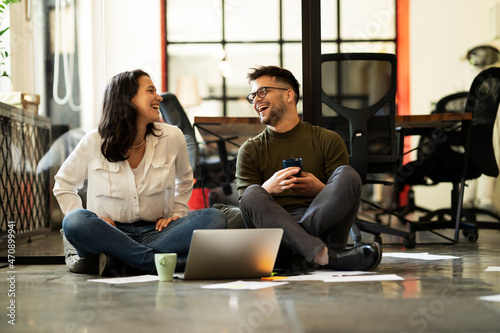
{"type": "Point", "coordinates": [364, 278]}
{"type": "Point", "coordinates": [239, 285]}
{"type": "Point", "coordinates": [128, 279]}
{"type": "Point", "coordinates": [493, 269]}
{"type": "Point", "coordinates": [321, 275]}
{"type": "Point", "coordinates": [338, 276]}
{"type": "Point", "coordinates": [492, 298]}
{"type": "Point", "coordinates": [421, 256]}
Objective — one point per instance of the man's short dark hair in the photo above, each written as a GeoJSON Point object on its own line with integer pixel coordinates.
{"type": "Point", "coordinates": [280, 74]}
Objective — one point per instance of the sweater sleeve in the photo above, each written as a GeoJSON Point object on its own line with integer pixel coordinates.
{"type": "Point", "coordinates": [247, 169]}
{"type": "Point", "coordinates": [335, 152]}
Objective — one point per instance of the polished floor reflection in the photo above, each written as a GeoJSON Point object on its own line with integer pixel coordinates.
{"type": "Point", "coordinates": [435, 296]}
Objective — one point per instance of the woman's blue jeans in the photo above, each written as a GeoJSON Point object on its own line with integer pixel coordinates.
{"type": "Point", "coordinates": [136, 243]}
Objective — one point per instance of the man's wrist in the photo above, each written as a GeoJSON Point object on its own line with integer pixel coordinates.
{"type": "Point", "coordinates": [266, 188]}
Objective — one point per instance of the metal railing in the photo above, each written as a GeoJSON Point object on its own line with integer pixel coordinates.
{"type": "Point", "coordinates": [24, 192]}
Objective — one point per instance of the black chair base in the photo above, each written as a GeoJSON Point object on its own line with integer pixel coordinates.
{"type": "Point", "coordinates": [410, 207]}
{"type": "Point", "coordinates": [469, 223]}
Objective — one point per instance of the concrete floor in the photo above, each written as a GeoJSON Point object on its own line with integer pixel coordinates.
{"type": "Point", "coordinates": [435, 296]}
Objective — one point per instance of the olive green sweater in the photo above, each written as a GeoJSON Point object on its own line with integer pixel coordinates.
{"type": "Point", "coordinates": [322, 151]}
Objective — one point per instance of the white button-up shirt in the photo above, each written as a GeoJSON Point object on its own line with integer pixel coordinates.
{"type": "Point", "coordinates": [111, 190]}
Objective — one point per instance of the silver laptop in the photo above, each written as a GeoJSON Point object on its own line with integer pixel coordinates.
{"type": "Point", "coordinates": [231, 254]}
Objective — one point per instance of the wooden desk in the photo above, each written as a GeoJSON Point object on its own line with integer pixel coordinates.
{"type": "Point", "coordinates": [233, 130]}
{"type": "Point", "coordinates": [432, 120]}
{"type": "Point", "coordinates": [238, 129]}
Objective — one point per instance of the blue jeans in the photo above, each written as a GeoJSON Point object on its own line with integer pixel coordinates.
{"type": "Point", "coordinates": [136, 243]}
{"type": "Point", "coordinates": [326, 222]}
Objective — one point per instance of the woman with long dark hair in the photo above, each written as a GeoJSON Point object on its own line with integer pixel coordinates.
{"type": "Point", "coordinates": [139, 182]}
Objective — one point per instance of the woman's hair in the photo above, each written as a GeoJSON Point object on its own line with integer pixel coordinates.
{"type": "Point", "coordinates": [118, 124]}
{"type": "Point", "coordinates": [280, 74]}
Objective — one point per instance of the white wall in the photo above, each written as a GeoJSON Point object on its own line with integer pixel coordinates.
{"type": "Point", "coordinates": [441, 33]}
{"type": "Point", "coordinates": [115, 36]}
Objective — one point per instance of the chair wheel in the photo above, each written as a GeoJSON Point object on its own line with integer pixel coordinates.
{"type": "Point", "coordinates": [410, 242]}
{"type": "Point", "coordinates": [471, 236]}
{"type": "Point", "coordinates": [377, 239]}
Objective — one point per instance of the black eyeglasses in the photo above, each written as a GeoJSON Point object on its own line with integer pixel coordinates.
{"type": "Point", "coordinates": [261, 92]}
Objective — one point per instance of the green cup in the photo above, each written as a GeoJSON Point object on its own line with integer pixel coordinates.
{"type": "Point", "coordinates": [165, 266]}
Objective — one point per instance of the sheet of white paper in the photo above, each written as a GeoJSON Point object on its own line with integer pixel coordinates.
{"type": "Point", "coordinates": [364, 278]}
{"type": "Point", "coordinates": [322, 275]}
{"type": "Point", "coordinates": [306, 277]}
{"type": "Point", "coordinates": [238, 285]}
{"type": "Point", "coordinates": [128, 279]}
{"type": "Point", "coordinates": [340, 273]}
{"type": "Point", "coordinates": [421, 256]}
{"type": "Point", "coordinates": [492, 298]}
{"type": "Point", "coordinates": [493, 269]}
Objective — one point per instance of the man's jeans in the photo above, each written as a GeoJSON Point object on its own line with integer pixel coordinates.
{"type": "Point", "coordinates": [136, 243]}
{"type": "Point", "coordinates": [326, 222]}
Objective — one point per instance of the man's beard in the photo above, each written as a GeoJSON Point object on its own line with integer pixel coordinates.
{"type": "Point", "coordinates": [275, 115]}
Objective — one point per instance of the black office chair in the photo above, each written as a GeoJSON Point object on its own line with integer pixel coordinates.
{"type": "Point", "coordinates": [451, 152]}
{"type": "Point", "coordinates": [173, 113]}
{"type": "Point", "coordinates": [450, 103]}
{"type": "Point", "coordinates": [209, 171]}
{"type": "Point", "coordinates": [456, 103]}
{"type": "Point", "coordinates": [358, 95]}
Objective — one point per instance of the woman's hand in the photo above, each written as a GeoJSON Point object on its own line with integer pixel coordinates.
{"type": "Point", "coordinates": [162, 223]}
{"type": "Point", "coordinates": [108, 221]}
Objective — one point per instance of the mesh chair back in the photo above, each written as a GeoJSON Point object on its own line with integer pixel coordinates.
{"type": "Point", "coordinates": [483, 101]}
{"type": "Point", "coordinates": [427, 143]}
{"type": "Point", "coordinates": [447, 158]}
{"type": "Point", "coordinates": [452, 103]}
{"type": "Point", "coordinates": [358, 95]}
{"type": "Point", "coordinates": [173, 113]}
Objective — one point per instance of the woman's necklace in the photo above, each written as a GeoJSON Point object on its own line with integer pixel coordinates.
{"type": "Point", "coordinates": [140, 144]}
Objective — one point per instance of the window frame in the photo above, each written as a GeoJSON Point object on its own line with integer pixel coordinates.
{"type": "Point", "coordinates": [224, 98]}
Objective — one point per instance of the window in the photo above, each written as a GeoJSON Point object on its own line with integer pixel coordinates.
{"type": "Point", "coordinates": [217, 41]}
{"type": "Point", "coordinates": [62, 66]}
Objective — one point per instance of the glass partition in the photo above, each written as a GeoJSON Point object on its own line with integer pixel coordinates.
{"type": "Point", "coordinates": [218, 41]}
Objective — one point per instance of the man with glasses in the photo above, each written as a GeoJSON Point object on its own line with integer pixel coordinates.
{"type": "Point", "coordinates": [316, 209]}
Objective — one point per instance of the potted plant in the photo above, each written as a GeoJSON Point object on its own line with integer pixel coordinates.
{"type": "Point", "coordinates": [4, 53]}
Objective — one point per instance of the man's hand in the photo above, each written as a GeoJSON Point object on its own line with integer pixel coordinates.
{"type": "Point", "coordinates": [162, 223]}
{"type": "Point", "coordinates": [108, 221]}
{"type": "Point", "coordinates": [307, 185]}
{"type": "Point", "coordinates": [281, 181]}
